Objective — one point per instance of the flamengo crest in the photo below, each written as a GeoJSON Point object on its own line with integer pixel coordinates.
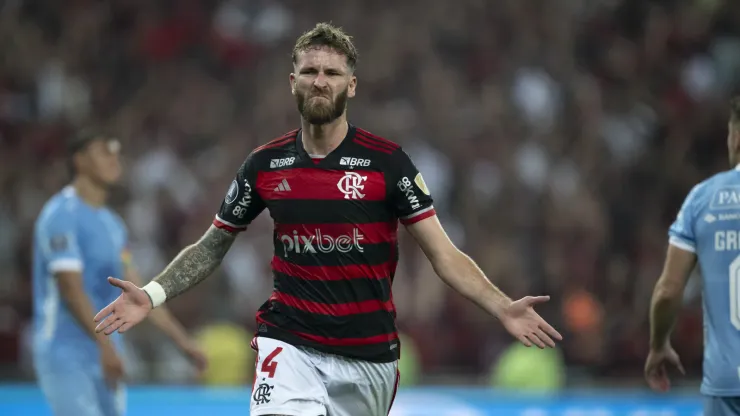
{"type": "Point", "coordinates": [351, 184]}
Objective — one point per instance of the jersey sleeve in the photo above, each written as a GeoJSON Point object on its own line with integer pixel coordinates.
{"type": "Point", "coordinates": [59, 243]}
{"type": "Point", "coordinates": [681, 232]}
{"type": "Point", "coordinates": [411, 199]}
{"type": "Point", "coordinates": [242, 203]}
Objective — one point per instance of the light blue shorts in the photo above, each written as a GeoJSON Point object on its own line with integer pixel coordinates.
{"type": "Point", "coordinates": [74, 389]}
{"type": "Point", "coordinates": [721, 406]}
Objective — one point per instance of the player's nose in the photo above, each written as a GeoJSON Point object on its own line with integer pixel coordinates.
{"type": "Point", "coordinates": [320, 81]}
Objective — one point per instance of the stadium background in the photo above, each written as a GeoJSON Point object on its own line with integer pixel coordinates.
{"type": "Point", "coordinates": [558, 137]}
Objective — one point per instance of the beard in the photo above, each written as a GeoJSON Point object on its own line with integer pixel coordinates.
{"type": "Point", "coordinates": [319, 112]}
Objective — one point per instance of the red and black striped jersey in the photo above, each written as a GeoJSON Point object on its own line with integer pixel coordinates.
{"type": "Point", "coordinates": [335, 238]}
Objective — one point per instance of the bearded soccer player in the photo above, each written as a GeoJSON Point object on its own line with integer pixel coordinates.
{"type": "Point", "coordinates": [706, 231]}
{"type": "Point", "coordinates": [326, 339]}
{"type": "Point", "coordinates": [76, 240]}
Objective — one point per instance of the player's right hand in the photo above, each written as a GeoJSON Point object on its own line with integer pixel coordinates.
{"type": "Point", "coordinates": [126, 311]}
{"type": "Point", "coordinates": [112, 366]}
{"type": "Point", "coordinates": [656, 372]}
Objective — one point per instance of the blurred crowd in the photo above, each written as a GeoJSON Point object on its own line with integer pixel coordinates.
{"type": "Point", "coordinates": [558, 138]}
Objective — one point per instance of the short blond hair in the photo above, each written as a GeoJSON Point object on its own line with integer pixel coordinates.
{"type": "Point", "coordinates": [326, 34]}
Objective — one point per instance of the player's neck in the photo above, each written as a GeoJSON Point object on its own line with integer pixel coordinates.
{"type": "Point", "coordinates": [89, 191]}
{"type": "Point", "coordinates": [321, 140]}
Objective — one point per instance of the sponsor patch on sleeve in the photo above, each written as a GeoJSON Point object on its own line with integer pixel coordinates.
{"type": "Point", "coordinates": [419, 181]}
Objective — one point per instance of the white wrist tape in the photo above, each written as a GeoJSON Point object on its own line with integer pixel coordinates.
{"type": "Point", "coordinates": [156, 293]}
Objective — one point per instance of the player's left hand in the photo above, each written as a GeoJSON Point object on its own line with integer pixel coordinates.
{"type": "Point", "coordinates": [656, 372]}
{"type": "Point", "coordinates": [527, 326]}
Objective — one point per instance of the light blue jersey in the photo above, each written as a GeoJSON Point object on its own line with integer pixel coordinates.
{"type": "Point", "coordinates": [72, 236]}
{"type": "Point", "coordinates": [708, 224]}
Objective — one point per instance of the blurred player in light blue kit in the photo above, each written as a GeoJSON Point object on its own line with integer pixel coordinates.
{"type": "Point", "coordinates": [706, 230]}
{"type": "Point", "coordinates": [78, 242]}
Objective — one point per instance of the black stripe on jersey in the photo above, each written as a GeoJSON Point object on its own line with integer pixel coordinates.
{"type": "Point", "coordinates": [372, 254]}
{"type": "Point", "coordinates": [377, 353]}
{"type": "Point", "coordinates": [351, 326]}
{"type": "Point", "coordinates": [329, 211]}
{"type": "Point", "coordinates": [334, 291]}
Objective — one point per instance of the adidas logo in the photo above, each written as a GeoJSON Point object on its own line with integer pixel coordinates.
{"type": "Point", "coordinates": [283, 186]}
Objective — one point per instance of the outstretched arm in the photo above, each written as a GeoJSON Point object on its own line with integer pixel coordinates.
{"type": "Point", "coordinates": [241, 205]}
{"type": "Point", "coordinates": [456, 268]}
{"type": "Point", "coordinates": [194, 263]}
{"type": "Point", "coordinates": [412, 203]}
{"type": "Point", "coordinates": [169, 325]}
{"type": "Point", "coordinates": [461, 273]}
{"type": "Point", "coordinates": [190, 267]}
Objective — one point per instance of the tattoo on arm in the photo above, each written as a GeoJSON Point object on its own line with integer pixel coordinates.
{"type": "Point", "coordinates": [195, 262]}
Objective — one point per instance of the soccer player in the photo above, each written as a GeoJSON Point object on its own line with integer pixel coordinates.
{"type": "Point", "coordinates": [706, 230]}
{"type": "Point", "coordinates": [326, 339]}
{"type": "Point", "coordinates": [77, 242]}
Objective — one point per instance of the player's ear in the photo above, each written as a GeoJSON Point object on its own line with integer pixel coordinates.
{"type": "Point", "coordinates": [733, 137]}
{"type": "Point", "coordinates": [78, 160]}
{"type": "Point", "coordinates": [735, 132]}
{"type": "Point", "coordinates": [292, 83]}
{"type": "Point", "coordinates": [352, 86]}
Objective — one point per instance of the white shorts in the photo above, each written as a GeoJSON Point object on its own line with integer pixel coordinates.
{"type": "Point", "coordinates": [300, 381]}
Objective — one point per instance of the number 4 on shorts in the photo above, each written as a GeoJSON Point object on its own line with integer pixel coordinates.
{"type": "Point", "coordinates": [270, 365]}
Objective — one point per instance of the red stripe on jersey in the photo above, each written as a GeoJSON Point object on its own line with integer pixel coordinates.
{"type": "Point", "coordinates": [340, 342]}
{"type": "Point", "coordinates": [285, 138]}
{"type": "Point", "coordinates": [350, 271]}
{"type": "Point", "coordinates": [367, 233]}
{"type": "Point", "coordinates": [290, 135]}
{"type": "Point", "coordinates": [416, 218]}
{"type": "Point", "coordinates": [333, 309]}
{"type": "Point", "coordinates": [226, 226]}
{"type": "Point", "coordinates": [377, 138]}
{"type": "Point", "coordinates": [318, 184]}
{"type": "Point", "coordinates": [375, 142]}
{"type": "Point", "coordinates": [275, 143]}
{"type": "Point", "coordinates": [359, 140]}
